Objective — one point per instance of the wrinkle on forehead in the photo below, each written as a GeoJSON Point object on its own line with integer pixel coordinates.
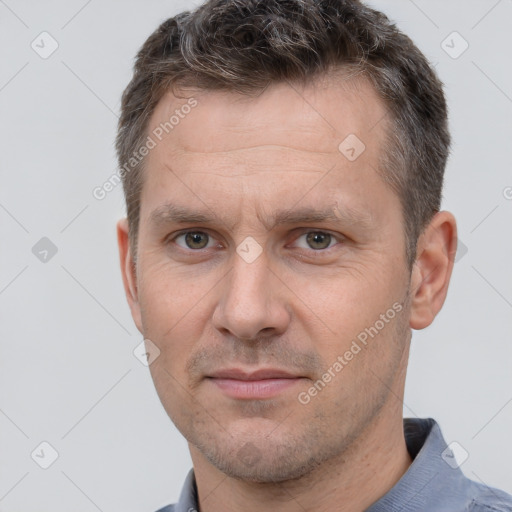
{"type": "Point", "coordinates": [255, 147]}
{"type": "Point", "coordinates": [278, 149]}
{"type": "Point", "coordinates": [250, 162]}
{"type": "Point", "coordinates": [314, 118]}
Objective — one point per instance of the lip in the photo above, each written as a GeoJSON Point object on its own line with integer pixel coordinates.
{"type": "Point", "coordinates": [261, 374]}
{"type": "Point", "coordinates": [260, 384]}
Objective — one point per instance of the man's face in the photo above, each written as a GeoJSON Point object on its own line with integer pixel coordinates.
{"type": "Point", "coordinates": [263, 285]}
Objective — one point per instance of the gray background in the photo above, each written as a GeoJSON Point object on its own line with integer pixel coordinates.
{"type": "Point", "coordinates": [68, 374]}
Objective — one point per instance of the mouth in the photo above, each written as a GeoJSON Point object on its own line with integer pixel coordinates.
{"type": "Point", "coordinates": [257, 385]}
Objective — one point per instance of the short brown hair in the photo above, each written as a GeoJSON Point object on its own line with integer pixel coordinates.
{"type": "Point", "coordinates": [245, 45]}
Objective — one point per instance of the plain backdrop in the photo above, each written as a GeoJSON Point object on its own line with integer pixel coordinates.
{"type": "Point", "coordinates": [68, 375]}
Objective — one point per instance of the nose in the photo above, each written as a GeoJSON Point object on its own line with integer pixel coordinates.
{"type": "Point", "coordinates": [253, 303]}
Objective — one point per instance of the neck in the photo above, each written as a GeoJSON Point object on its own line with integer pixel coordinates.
{"type": "Point", "coordinates": [352, 481]}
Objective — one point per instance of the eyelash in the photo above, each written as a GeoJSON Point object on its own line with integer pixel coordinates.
{"type": "Point", "coordinates": [315, 252]}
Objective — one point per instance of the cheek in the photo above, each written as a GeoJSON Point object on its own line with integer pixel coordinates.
{"type": "Point", "coordinates": [347, 301]}
{"type": "Point", "coordinates": [174, 309]}
{"type": "Point", "coordinates": [355, 318]}
{"type": "Point", "coordinates": [168, 293]}
{"type": "Point", "coordinates": [172, 391]}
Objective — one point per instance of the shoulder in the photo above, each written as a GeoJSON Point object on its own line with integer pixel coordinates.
{"type": "Point", "coordinates": [489, 499]}
{"type": "Point", "coordinates": [168, 508]}
{"type": "Point", "coordinates": [188, 498]}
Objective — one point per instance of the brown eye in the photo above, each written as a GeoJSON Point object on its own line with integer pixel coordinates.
{"type": "Point", "coordinates": [195, 239]}
{"type": "Point", "coordinates": [318, 240]}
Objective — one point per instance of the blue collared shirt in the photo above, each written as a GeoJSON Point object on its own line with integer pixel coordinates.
{"type": "Point", "coordinates": [433, 482]}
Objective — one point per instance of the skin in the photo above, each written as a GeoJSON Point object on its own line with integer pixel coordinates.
{"type": "Point", "coordinates": [297, 307]}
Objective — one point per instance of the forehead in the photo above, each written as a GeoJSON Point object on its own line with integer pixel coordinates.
{"type": "Point", "coordinates": [262, 154]}
{"type": "Point", "coordinates": [315, 117]}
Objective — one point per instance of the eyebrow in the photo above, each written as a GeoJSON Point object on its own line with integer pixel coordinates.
{"type": "Point", "coordinates": [170, 213]}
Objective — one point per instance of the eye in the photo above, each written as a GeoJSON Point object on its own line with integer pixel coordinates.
{"type": "Point", "coordinates": [195, 240]}
{"type": "Point", "coordinates": [317, 240]}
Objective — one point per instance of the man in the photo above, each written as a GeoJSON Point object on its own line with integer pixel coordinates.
{"type": "Point", "coordinates": [283, 162]}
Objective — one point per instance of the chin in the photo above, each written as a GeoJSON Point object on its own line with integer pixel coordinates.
{"type": "Point", "coordinates": [263, 464]}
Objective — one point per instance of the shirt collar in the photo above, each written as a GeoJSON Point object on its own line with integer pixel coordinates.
{"type": "Point", "coordinates": [188, 501]}
{"type": "Point", "coordinates": [432, 476]}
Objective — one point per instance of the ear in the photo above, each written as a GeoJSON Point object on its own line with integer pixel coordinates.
{"type": "Point", "coordinates": [432, 270]}
{"type": "Point", "coordinates": [128, 271]}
